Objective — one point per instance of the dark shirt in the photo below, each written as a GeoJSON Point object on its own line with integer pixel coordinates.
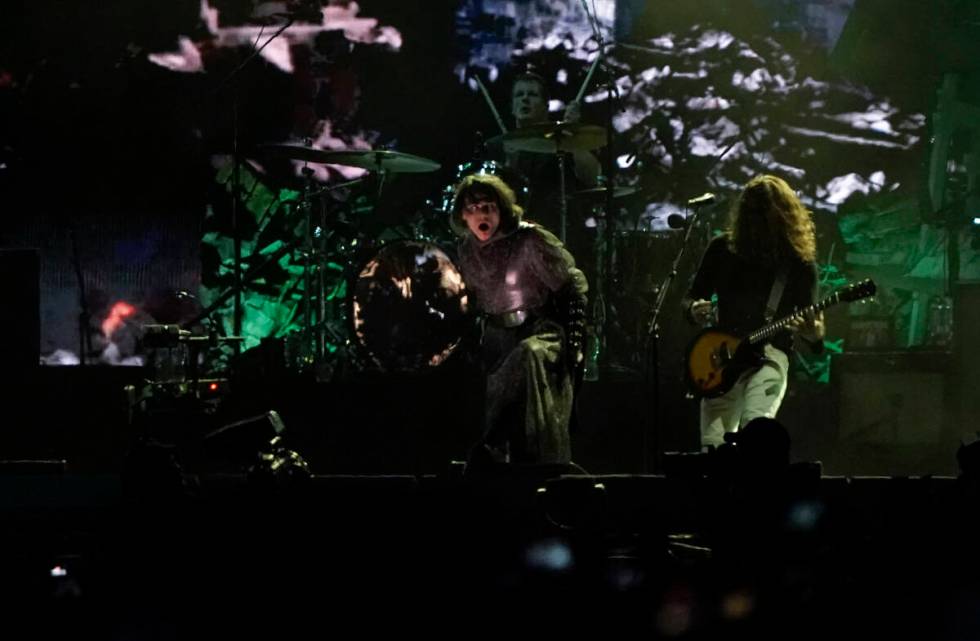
{"type": "Point", "coordinates": [518, 271]}
{"type": "Point", "coordinates": [743, 289]}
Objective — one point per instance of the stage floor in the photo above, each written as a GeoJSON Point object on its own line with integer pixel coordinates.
{"type": "Point", "coordinates": [684, 556]}
{"type": "Point", "coordinates": [901, 425]}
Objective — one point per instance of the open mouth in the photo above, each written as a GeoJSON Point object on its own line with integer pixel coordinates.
{"type": "Point", "coordinates": [484, 227]}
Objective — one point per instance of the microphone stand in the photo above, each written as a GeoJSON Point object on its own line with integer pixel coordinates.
{"type": "Point", "coordinates": [236, 177]}
{"type": "Point", "coordinates": [84, 314]}
{"type": "Point", "coordinates": [651, 370]}
{"type": "Point", "coordinates": [610, 207]}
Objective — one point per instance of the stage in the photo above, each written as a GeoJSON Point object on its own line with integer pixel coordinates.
{"type": "Point", "coordinates": [200, 436]}
{"type": "Point", "coordinates": [882, 414]}
{"type": "Point", "coordinates": [684, 555]}
{"type": "Point", "coordinates": [131, 528]}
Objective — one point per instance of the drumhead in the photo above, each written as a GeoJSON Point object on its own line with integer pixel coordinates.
{"type": "Point", "coordinates": [409, 307]}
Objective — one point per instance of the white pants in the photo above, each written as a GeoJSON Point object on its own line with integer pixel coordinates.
{"type": "Point", "coordinates": [758, 392]}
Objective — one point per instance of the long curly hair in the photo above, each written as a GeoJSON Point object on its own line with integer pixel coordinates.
{"type": "Point", "coordinates": [485, 187]}
{"type": "Point", "coordinates": [769, 224]}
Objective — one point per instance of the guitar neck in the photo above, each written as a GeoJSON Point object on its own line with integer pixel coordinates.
{"type": "Point", "coordinates": [768, 331]}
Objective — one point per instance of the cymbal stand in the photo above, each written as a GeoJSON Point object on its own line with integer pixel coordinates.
{"type": "Point", "coordinates": [560, 134]}
{"type": "Point", "coordinates": [606, 229]}
{"type": "Point", "coordinates": [309, 254]}
{"type": "Point", "coordinates": [321, 288]}
{"type": "Point", "coordinates": [317, 328]}
{"type": "Point", "coordinates": [314, 276]}
{"type": "Point", "coordinates": [563, 198]}
{"type": "Point", "coordinates": [379, 169]}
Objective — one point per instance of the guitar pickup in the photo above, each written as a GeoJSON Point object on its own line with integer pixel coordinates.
{"type": "Point", "coordinates": [724, 354]}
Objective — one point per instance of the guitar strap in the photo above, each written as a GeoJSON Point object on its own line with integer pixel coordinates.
{"type": "Point", "coordinates": [776, 293]}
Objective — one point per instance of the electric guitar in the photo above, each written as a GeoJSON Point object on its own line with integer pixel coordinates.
{"type": "Point", "coordinates": [715, 359]}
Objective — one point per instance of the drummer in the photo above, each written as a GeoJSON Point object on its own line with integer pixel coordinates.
{"type": "Point", "coordinates": [529, 106]}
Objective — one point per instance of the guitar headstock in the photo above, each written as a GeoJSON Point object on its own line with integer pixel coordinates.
{"type": "Point", "coordinates": [857, 291]}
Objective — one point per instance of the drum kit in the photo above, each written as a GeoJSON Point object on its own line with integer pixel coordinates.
{"type": "Point", "coordinates": [405, 308]}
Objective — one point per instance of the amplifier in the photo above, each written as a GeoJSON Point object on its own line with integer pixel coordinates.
{"type": "Point", "coordinates": [892, 398]}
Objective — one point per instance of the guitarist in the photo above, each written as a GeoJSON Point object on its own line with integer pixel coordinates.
{"type": "Point", "coordinates": [762, 268]}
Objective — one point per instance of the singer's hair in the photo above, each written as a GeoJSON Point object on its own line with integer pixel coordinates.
{"type": "Point", "coordinates": [769, 224]}
{"type": "Point", "coordinates": [477, 187]}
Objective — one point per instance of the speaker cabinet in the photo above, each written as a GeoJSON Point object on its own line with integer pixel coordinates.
{"type": "Point", "coordinates": [893, 414]}
{"type": "Point", "coordinates": [966, 367]}
{"type": "Point", "coordinates": [893, 398]}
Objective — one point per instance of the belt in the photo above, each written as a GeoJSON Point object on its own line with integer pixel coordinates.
{"type": "Point", "coordinates": [513, 318]}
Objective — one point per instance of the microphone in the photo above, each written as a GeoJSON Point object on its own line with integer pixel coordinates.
{"type": "Point", "coordinates": [676, 221]}
{"type": "Point", "coordinates": [703, 199]}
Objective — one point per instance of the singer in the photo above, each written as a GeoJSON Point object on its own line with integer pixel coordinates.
{"type": "Point", "coordinates": [761, 268]}
{"type": "Point", "coordinates": [532, 301]}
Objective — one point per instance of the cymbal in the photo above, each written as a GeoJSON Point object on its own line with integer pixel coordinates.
{"type": "Point", "coordinates": [552, 137]}
{"type": "Point", "coordinates": [598, 194]}
{"type": "Point", "coordinates": [370, 159]}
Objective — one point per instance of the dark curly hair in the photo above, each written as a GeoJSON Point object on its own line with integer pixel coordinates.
{"type": "Point", "coordinates": [769, 223]}
{"type": "Point", "coordinates": [485, 187]}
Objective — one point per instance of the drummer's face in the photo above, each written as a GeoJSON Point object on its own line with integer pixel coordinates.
{"type": "Point", "coordinates": [528, 103]}
{"type": "Point", "coordinates": [482, 217]}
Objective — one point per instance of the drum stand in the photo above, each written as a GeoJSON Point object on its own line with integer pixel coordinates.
{"type": "Point", "coordinates": [316, 320]}
{"type": "Point", "coordinates": [597, 347]}
{"type": "Point", "coordinates": [313, 293]}
{"type": "Point", "coordinates": [596, 358]}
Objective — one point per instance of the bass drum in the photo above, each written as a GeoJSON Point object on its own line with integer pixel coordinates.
{"type": "Point", "coordinates": [408, 307]}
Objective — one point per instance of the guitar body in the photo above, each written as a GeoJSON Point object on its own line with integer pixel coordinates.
{"type": "Point", "coordinates": [715, 360]}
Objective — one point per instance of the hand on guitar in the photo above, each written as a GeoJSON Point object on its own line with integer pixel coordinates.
{"type": "Point", "coordinates": [809, 325]}
{"type": "Point", "coordinates": [701, 311]}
